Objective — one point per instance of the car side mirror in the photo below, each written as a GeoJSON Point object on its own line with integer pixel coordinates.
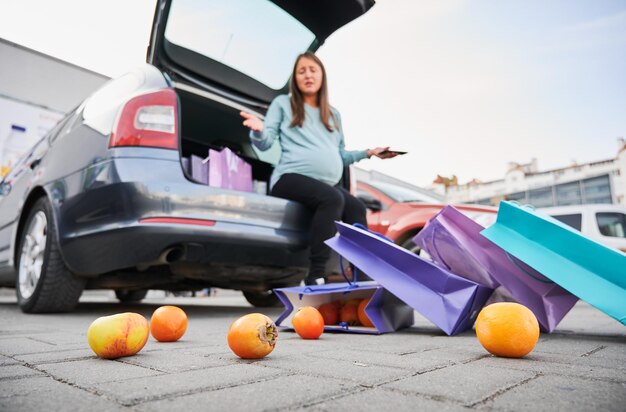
{"type": "Point", "coordinates": [371, 202]}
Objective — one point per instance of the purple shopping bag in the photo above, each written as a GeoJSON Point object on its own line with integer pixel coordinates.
{"type": "Point", "coordinates": [449, 301]}
{"type": "Point", "coordinates": [387, 312]}
{"type": "Point", "coordinates": [454, 241]}
{"type": "Point", "coordinates": [444, 239]}
{"type": "Point", "coordinates": [229, 171]}
{"type": "Point", "coordinates": [200, 169]}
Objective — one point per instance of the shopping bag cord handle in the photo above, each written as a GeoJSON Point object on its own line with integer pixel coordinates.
{"type": "Point", "coordinates": [309, 289]}
{"type": "Point", "coordinates": [517, 265]}
{"type": "Point", "coordinates": [437, 251]}
{"type": "Point", "coordinates": [343, 272]}
{"type": "Point", "coordinates": [525, 205]}
{"type": "Point", "coordinates": [351, 284]}
{"type": "Point", "coordinates": [354, 268]}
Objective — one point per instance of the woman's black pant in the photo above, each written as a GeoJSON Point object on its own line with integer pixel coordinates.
{"type": "Point", "coordinates": [327, 204]}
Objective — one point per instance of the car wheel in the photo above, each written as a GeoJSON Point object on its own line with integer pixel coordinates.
{"type": "Point", "coordinates": [262, 299]}
{"type": "Point", "coordinates": [411, 246]}
{"type": "Point", "coordinates": [44, 283]}
{"type": "Point", "coordinates": [130, 296]}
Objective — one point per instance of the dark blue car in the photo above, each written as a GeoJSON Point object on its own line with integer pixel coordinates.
{"type": "Point", "coordinates": [106, 201]}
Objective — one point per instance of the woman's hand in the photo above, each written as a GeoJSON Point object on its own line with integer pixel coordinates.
{"type": "Point", "coordinates": [254, 123]}
{"type": "Point", "coordinates": [381, 152]}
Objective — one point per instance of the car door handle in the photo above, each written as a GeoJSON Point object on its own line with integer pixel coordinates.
{"type": "Point", "coordinates": [35, 163]}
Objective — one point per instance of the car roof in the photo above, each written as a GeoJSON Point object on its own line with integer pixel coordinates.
{"type": "Point", "coordinates": [589, 208]}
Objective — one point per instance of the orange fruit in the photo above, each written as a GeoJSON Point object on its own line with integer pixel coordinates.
{"type": "Point", "coordinates": [252, 336]}
{"type": "Point", "coordinates": [349, 314]}
{"type": "Point", "coordinates": [363, 318]}
{"type": "Point", "coordinates": [308, 322]}
{"type": "Point", "coordinates": [330, 313]}
{"type": "Point", "coordinates": [168, 323]}
{"type": "Point", "coordinates": [507, 329]}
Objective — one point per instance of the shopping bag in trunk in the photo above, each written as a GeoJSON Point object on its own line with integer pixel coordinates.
{"type": "Point", "coordinates": [200, 169]}
{"type": "Point", "coordinates": [449, 301]}
{"type": "Point", "coordinates": [591, 271]}
{"type": "Point", "coordinates": [229, 171]}
{"type": "Point", "coordinates": [454, 241]}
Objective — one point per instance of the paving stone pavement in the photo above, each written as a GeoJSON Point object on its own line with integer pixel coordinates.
{"type": "Point", "coordinates": [46, 364]}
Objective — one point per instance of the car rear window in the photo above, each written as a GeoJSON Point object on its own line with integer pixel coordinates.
{"type": "Point", "coordinates": [254, 37]}
{"type": "Point", "coordinates": [573, 220]}
{"type": "Point", "coordinates": [612, 224]}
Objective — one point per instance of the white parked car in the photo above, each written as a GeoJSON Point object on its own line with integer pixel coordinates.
{"type": "Point", "coordinates": [604, 223]}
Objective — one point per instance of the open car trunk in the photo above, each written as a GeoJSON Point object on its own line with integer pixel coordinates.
{"type": "Point", "coordinates": [242, 50]}
{"type": "Point", "coordinates": [210, 124]}
{"type": "Point", "coordinates": [224, 56]}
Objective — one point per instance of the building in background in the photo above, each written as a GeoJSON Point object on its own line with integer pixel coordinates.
{"type": "Point", "coordinates": [36, 91]}
{"type": "Point", "coordinates": [603, 181]}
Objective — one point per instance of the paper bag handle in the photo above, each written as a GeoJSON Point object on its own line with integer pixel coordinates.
{"type": "Point", "coordinates": [351, 284]}
{"type": "Point", "coordinates": [525, 205]}
{"type": "Point", "coordinates": [354, 268]}
{"type": "Point", "coordinates": [517, 265]}
{"type": "Point", "coordinates": [437, 251]}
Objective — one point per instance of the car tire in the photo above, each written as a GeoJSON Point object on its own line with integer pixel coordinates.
{"type": "Point", "coordinates": [131, 296]}
{"type": "Point", "coordinates": [44, 283]}
{"type": "Point", "coordinates": [262, 299]}
{"type": "Point", "coordinates": [411, 246]}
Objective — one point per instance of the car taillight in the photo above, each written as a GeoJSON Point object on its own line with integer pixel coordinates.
{"type": "Point", "coordinates": [148, 120]}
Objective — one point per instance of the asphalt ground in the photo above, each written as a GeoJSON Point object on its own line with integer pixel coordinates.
{"type": "Point", "coordinates": [46, 364]}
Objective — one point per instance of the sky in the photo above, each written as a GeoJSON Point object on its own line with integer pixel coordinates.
{"type": "Point", "coordinates": [464, 86]}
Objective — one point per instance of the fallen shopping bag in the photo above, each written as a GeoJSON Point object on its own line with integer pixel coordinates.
{"type": "Point", "coordinates": [229, 171]}
{"type": "Point", "coordinates": [449, 301]}
{"type": "Point", "coordinates": [386, 312]}
{"type": "Point", "coordinates": [591, 271]}
{"type": "Point", "coordinates": [454, 241]}
{"type": "Point", "coordinates": [450, 241]}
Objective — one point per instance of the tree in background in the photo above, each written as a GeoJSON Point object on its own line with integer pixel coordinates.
{"type": "Point", "coordinates": [446, 181]}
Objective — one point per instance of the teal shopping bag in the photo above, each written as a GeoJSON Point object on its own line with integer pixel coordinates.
{"type": "Point", "coordinates": [593, 272]}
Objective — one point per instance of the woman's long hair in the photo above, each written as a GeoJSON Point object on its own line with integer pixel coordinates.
{"type": "Point", "coordinates": [297, 100]}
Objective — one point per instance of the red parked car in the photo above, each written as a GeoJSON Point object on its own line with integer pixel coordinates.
{"type": "Point", "coordinates": [399, 213]}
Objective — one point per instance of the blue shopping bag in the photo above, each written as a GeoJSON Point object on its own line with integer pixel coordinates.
{"type": "Point", "coordinates": [386, 312]}
{"type": "Point", "coordinates": [593, 272]}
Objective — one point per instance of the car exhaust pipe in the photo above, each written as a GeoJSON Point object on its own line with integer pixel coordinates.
{"type": "Point", "coordinates": [173, 254]}
{"type": "Point", "coordinates": [169, 255]}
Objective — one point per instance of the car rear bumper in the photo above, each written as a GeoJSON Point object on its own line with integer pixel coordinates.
{"type": "Point", "coordinates": [129, 211]}
{"type": "Point", "coordinates": [141, 245]}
